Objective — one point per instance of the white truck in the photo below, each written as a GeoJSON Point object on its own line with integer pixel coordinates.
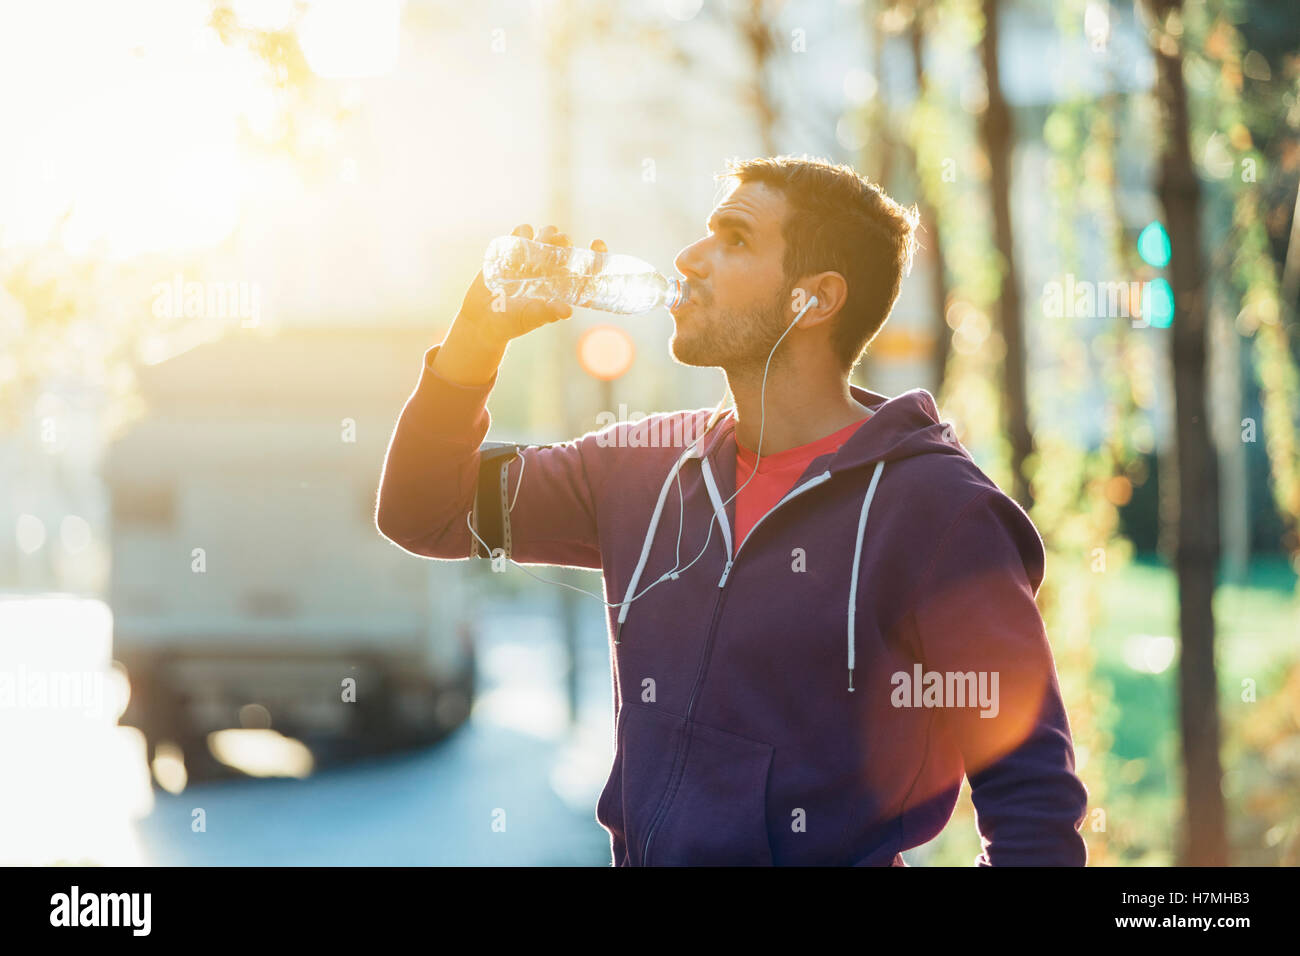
{"type": "Point", "coordinates": [246, 565]}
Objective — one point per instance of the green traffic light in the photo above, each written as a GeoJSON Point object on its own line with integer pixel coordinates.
{"type": "Point", "coordinates": [1158, 304]}
{"type": "Point", "coordinates": [1153, 245]}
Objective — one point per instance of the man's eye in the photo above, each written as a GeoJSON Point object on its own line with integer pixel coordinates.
{"type": "Point", "coordinates": [738, 240]}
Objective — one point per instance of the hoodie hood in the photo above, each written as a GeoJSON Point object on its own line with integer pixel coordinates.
{"type": "Point", "coordinates": [901, 427]}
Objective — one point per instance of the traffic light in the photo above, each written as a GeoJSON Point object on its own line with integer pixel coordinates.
{"type": "Point", "coordinates": [1158, 303]}
{"type": "Point", "coordinates": [1157, 294]}
{"type": "Point", "coordinates": [1153, 245]}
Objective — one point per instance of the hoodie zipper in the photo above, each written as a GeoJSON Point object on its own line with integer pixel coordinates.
{"type": "Point", "coordinates": [811, 482]}
{"type": "Point", "coordinates": [708, 651]}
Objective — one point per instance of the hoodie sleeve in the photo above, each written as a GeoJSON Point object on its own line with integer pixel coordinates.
{"type": "Point", "coordinates": [431, 471]}
{"type": "Point", "coordinates": [975, 612]}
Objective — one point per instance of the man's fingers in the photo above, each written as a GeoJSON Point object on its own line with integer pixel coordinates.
{"type": "Point", "coordinates": [535, 312]}
{"type": "Point", "coordinates": [530, 312]}
{"type": "Point", "coordinates": [549, 233]}
{"type": "Point", "coordinates": [553, 236]}
{"type": "Point", "coordinates": [598, 245]}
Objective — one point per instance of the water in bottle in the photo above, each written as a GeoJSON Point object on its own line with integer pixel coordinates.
{"type": "Point", "coordinates": [519, 267]}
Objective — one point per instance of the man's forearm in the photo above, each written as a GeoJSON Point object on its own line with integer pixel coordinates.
{"type": "Point", "coordinates": [465, 359]}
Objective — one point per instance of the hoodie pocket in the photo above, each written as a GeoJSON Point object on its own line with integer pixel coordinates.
{"type": "Point", "coordinates": [716, 811]}
{"type": "Point", "coordinates": [613, 792]}
{"type": "Point", "coordinates": [648, 741]}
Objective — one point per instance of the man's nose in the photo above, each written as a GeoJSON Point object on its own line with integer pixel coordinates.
{"type": "Point", "coordinates": [689, 262]}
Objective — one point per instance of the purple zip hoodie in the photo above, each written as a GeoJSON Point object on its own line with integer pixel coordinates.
{"type": "Point", "coordinates": [816, 698]}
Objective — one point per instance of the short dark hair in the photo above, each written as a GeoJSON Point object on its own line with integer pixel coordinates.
{"type": "Point", "coordinates": [840, 221]}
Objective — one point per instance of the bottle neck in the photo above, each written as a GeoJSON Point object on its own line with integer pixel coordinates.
{"type": "Point", "coordinates": [676, 294]}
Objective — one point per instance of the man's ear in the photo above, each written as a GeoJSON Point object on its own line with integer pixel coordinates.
{"type": "Point", "coordinates": [831, 291]}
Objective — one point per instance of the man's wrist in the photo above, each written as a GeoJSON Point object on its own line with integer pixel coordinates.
{"type": "Point", "coordinates": [466, 359]}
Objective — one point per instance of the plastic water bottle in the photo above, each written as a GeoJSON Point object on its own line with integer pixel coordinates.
{"type": "Point", "coordinates": [519, 267]}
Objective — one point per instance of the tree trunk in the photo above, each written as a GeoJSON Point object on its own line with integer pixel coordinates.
{"type": "Point", "coordinates": [1197, 547]}
{"type": "Point", "coordinates": [930, 222]}
{"type": "Point", "coordinates": [882, 142]}
{"type": "Point", "coordinates": [997, 135]}
{"type": "Point", "coordinates": [754, 27]}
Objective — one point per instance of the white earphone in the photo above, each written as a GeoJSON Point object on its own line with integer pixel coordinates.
{"type": "Point", "coordinates": [762, 420]}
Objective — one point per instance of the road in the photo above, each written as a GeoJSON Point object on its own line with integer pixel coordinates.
{"type": "Point", "coordinates": [514, 786]}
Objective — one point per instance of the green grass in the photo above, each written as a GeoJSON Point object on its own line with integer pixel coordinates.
{"type": "Point", "coordinates": [1256, 629]}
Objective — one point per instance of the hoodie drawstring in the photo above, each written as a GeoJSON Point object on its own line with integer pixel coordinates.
{"type": "Point", "coordinates": [719, 508]}
{"type": "Point", "coordinates": [691, 452]}
{"type": "Point", "coordinates": [857, 560]}
{"type": "Point", "coordinates": [654, 524]}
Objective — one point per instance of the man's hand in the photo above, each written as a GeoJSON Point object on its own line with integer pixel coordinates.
{"type": "Point", "coordinates": [512, 318]}
{"type": "Point", "coordinates": [476, 343]}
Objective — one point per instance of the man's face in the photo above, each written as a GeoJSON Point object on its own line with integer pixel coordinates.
{"type": "Point", "coordinates": [737, 308]}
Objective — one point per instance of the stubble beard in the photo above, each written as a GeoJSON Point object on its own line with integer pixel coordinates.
{"type": "Point", "coordinates": [737, 341]}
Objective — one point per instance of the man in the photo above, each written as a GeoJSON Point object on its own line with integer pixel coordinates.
{"type": "Point", "coordinates": [803, 670]}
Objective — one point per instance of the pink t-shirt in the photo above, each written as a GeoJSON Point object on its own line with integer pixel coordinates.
{"type": "Point", "coordinates": [776, 475]}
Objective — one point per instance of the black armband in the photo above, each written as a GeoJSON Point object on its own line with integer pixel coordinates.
{"type": "Point", "coordinates": [491, 515]}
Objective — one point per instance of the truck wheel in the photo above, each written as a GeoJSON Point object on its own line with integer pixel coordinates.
{"type": "Point", "coordinates": [199, 763]}
{"type": "Point", "coordinates": [376, 718]}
